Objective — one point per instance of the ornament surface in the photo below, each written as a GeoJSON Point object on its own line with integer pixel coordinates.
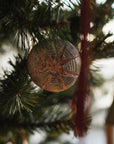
{"type": "Point", "coordinates": [54, 71]}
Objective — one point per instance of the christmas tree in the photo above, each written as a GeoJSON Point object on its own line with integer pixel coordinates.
{"type": "Point", "coordinates": [41, 25]}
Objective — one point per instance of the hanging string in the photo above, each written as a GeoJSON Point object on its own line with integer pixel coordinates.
{"type": "Point", "coordinates": [78, 103]}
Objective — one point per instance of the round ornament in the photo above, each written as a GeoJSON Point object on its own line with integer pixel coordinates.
{"type": "Point", "coordinates": [52, 70]}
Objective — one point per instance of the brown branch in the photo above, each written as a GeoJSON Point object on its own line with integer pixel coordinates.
{"type": "Point", "coordinates": [45, 25]}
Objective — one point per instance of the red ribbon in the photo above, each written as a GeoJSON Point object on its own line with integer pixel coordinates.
{"type": "Point", "coordinates": [80, 95]}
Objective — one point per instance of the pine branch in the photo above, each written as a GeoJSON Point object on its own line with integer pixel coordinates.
{"type": "Point", "coordinates": [49, 119]}
{"type": "Point", "coordinates": [102, 49]}
{"type": "Point", "coordinates": [28, 25]}
{"type": "Point", "coordinates": [16, 89]}
{"type": "Point", "coordinates": [59, 125]}
{"type": "Point", "coordinates": [107, 13]}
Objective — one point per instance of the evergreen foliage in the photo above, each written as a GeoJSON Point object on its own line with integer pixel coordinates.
{"type": "Point", "coordinates": [23, 23]}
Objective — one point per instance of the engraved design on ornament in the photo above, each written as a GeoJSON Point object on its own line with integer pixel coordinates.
{"type": "Point", "coordinates": [54, 71]}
